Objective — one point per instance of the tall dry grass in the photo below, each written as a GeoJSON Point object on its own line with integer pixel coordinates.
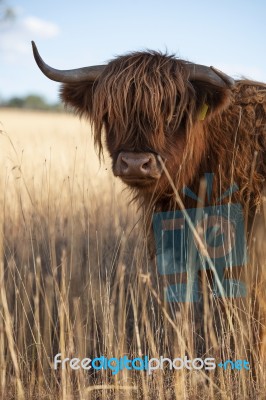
{"type": "Point", "coordinates": [76, 279]}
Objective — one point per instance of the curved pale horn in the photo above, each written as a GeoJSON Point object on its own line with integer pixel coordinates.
{"type": "Point", "coordinates": [67, 76]}
{"type": "Point", "coordinates": [212, 75]}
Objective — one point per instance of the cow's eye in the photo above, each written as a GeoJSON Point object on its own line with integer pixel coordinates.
{"type": "Point", "coordinates": [174, 127]}
{"type": "Point", "coordinates": [183, 123]}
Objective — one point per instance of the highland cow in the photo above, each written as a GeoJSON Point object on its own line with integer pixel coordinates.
{"type": "Point", "coordinates": [196, 118]}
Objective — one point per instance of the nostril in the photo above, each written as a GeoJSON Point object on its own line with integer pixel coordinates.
{"type": "Point", "coordinates": [124, 163]}
{"type": "Point", "coordinates": [146, 165]}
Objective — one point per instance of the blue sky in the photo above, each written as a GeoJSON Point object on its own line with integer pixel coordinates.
{"type": "Point", "coordinates": [231, 35]}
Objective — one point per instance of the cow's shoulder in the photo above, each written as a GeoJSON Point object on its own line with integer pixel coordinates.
{"type": "Point", "coordinates": [250, 93]}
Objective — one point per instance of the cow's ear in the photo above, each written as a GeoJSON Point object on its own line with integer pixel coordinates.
{"type": "Point", "coordinates": [79, 96]}
{"type": "Point", "coordinates": [211, 99]}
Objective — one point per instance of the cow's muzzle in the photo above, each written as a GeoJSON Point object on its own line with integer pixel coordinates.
{"type": "Point", "coordinates": [134, 166]}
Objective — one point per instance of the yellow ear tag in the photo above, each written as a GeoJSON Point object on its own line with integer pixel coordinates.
{"type": "Point", "coordinates": [203, 112]}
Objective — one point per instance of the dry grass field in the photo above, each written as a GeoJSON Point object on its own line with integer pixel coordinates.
{"type": "Point", "coordinates": [74, 280]}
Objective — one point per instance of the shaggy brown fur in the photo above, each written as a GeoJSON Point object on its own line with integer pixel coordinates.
{"type": "Point", "coordinates": [145, 102]}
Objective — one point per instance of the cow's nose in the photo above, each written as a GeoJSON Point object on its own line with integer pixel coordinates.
{"type": "Point", "coordinates": [137, 165]}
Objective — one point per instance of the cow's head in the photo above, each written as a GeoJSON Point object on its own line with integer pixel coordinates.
{"type": "Point", "coordinates": [146, 104]}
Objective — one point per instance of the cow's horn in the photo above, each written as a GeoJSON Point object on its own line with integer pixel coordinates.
{"type": "Point", "coordinates": [67, 76]}
{"type": "Point", "coordinates": [212, 75]}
